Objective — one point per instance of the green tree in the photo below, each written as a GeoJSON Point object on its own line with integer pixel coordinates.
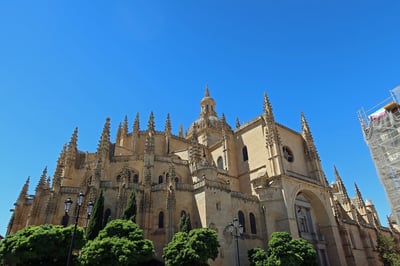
{"type": "Point", "coordinates": [120, 243]}
{"type": "Point", "coordinates": [130, 211]}
{"type": "Point", "coordinates": [185, 223]}
{"type": "Point", "coordinates": [283, 250]}
{"type": "Point", "coordinates": [194, 248]}
{"type": "Point", "coordinates": [40, 245]}
{"type": "Point", "coordinates": [96, 219]}
{"type": "Point", "coordinates": [388, 250]}
{"type": "Point", "coordinates": [257, 256]}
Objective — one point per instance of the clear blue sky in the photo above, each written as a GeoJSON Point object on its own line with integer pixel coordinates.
{"type": "Point", "coordinates": [67, 64]}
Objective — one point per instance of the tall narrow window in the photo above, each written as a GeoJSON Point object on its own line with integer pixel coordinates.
{"type": "Point", "coordinates": [161, 220]}
{"type": "Point", "coordinates": [245, 155]}
{"type": "Point", "coordinates": [220, 162]}
{"type": "Point", "coordinates": [136, 178]}
{"type": "Point", "coordinates": [160, 179]}
{"type": "Point", "coordinates": [242, 221]}
{"type": "Point", "coordinates": [253, 227]}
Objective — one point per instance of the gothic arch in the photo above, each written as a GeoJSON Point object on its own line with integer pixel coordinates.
{"type": "Point", "coordinates": [313, 222]}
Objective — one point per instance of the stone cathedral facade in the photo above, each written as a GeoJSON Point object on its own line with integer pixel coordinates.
{"type": "Point", "coordinates": [262, 172]}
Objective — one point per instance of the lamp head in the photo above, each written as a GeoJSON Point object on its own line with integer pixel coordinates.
{"type": "Point", "coordinates": [68, 202]}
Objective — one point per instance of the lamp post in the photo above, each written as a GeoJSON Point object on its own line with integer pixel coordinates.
{"type": "Point", "coordinates": [236, 229]}
{"type": "Point", "coordinates": [68, 203]}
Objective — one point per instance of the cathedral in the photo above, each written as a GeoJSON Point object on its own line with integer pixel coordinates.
{"type": "Point", "coordinates": [263, 173]}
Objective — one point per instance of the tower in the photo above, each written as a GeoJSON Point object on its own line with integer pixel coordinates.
{"type": "Point", "coordinates": [381, 130]}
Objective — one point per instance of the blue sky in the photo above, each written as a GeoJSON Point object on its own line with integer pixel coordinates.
{"type": "Point", "coordinates": [67, 64]}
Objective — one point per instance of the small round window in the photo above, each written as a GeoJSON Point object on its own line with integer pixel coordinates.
{"type": "Point", "coordinates": [288, 154]}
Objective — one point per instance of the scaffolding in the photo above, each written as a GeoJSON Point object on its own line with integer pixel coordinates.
{"type": "Point", "coordinates": [381, 130]}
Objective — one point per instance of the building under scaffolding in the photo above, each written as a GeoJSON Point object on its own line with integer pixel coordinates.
{"type": "Point", "coordinates": [381, 129]}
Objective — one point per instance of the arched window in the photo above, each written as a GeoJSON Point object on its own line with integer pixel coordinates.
{"type": "Point", "coordinates": [183, 213]}
{"type": "Point", "coordinates": [242, 221]}
{"type": "Point", "coordinates": [107, 215]}
{"type": "Point", "coordinates": [176, 179]}
{"type": "Point", "coordinates": [253, 227]}
{"type": "Point", "coordinates": [161, 220]}
{"type": "Point", "coordinates": [288, 154]}
{"type": "Point", "coordinates": [220, 163]}
{"type": "Point", "coordinates": [118, 178]}
{"type": "Point", "coordinates": [160, 179]}
{"type": "Point", "coordinates": [136, 178]}
{"type": "Point", "coordinates": [245, 154]}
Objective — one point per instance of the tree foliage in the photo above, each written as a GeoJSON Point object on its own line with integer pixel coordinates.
{"type": "Point", "coordinates": [131, 210]}
{"type": "Point", "coordinates": [388, 250]}
{"type": "Point", "coordinates": [40, 245]}
{"type": "Point", "coordinates": [120, 243]}
{"type": "Point", "coordinates": [96, 219]}
{"type": "Point", "coordinates": [283, 250]}
{"type": "Point", "coordinates": [257, 256]}
{"type": "Point", "coordinates": [185, 223]}
{"type": "Point", "coordinates": [193, 248]}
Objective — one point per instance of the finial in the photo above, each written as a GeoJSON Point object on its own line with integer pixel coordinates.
{"type": "Point", "coordinates": [168, 124]}
{"type": "Point", "coordinates": [207, 93]}
{"type": "Point", "coordinates": [237, 122]}
{"type": "Point", "coordinates": [180, 131]}
{"type": "Point", "coordinates": [136, 124]}
{"type": "Point", "coordinates": [150, 125]}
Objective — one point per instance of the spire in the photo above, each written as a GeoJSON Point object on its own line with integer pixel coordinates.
{"type": "Point", "coordinates": [207, 93]}
{"type": "Point", "coordinates": [359, 199]}
{"type": "Point", "coordinates": [271, 133]}
{"type": "Point", "coordinates": [150, 124]}
{"type": "Point", "coordinates": [24, 192]}
{"type": "Point", "coordinates": [125, 127]}
{"type": "Point", "coordinates": [42, 181]}
{"type": "Point", "coordinates": [223, 119]}
{"type": "Point", "coordinates": [136, 127]}
{"type": "Point", "coordinates": [104, 142]}
{"type": "Point", "coordinates": [72, 147]}
{"type": "Point", "coordinates": [306, 132]}
{"type": "Point", "coordinates": [342, 189]}
{"type": "Point", "coordinates": [180, 131]}
{"type": "Point", "coordinates": [268, 108]}
{"type": "Point", "coordinates": [119, 134]}
{"type": "Point", "coordinates": [58, 173]}
{"type": "Point", "coordinates": [168, 125]}
{"type": "Point", "coordinates": [149, 145]}
{"type": "Point", "coordinates": [237, 122]}
{"type": "Point", "coordinates": [195, 148]}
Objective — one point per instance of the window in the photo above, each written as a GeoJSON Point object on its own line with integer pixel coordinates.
{"type": "Point", "coordinates": [245, 155]}
{"type": "Point", "coordinates": [161, 220]}
{"type": "Point", "coordinates": [136, 178]}
{"type": "Point", "coordinates": [176, 179]}
{"type": "Point", "coordinates": [220, 163]}
{"type": "Point", "coordinates": [160, 179]}
{"type": "Point", "coordinates": [253, 227]}
{"type": "Point", "coordinates": [288, 154]}
{"type": "Point", "coordinates": [241, 220]}
{"type": "Point", "coordinates": [183, 213]}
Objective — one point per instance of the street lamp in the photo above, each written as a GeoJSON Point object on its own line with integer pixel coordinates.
{"type": "Point", "coordinates": [68, 203]}
{"type": "Point", "coordinates": [89, 210]}
{"type": "Point", "coordinates": [236, 229]}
